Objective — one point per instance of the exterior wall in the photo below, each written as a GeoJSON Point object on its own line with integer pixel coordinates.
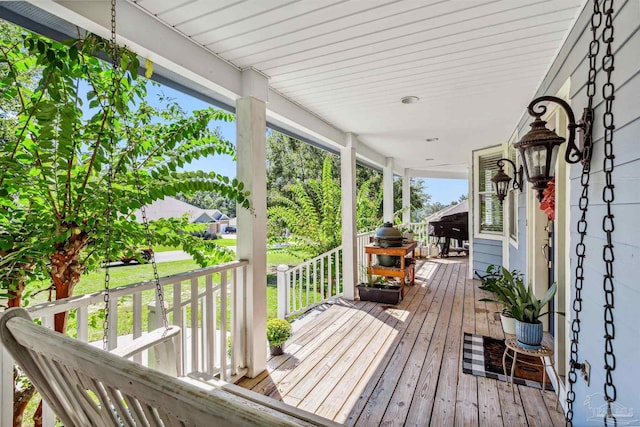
{"type": "Point", "coordinates": [517, 254]}
{"type": "Point", "coordinates": [485, 253]}
{"type": "Point", "coordinates": [572, 65]}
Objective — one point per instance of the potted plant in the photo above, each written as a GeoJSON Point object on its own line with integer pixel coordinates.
{"type": "Point", "coordinates": [278, 331]}
{"type": "Point", "coordinates": [501, 283]}
{"type": "Point", "coordinates": [378, 289]}
{"type": "Point", "coordinates": [527, 312]}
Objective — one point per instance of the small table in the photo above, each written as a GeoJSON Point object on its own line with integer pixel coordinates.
{"type": "Point", "coordinates": [405, 270]}
{"type": "Point", "coordinates": [512, 344]}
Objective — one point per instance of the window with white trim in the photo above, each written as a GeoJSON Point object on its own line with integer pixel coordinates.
{"type": "Point", "coordinates": [489, 218]}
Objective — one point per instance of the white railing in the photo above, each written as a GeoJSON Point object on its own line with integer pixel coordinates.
{"type": "Point", "coordinates": [362, 240]}
{"type": "Point", "coordinates": [206, 303]}
{"type": "Point", "coordinates": [317, 280]}
{"type": "Point", "coordinates": [310, 283]}
{"type": "Point", "coordinates": [420, 231]}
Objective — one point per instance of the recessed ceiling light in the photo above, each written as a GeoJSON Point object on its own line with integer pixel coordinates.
{"type": "Point", "coordinates": [409, 99]}
{"type": "Point", "coordinates": [432, 139]}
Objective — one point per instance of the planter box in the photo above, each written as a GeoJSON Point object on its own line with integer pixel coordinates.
{"type": "Point", "coordinates": [380, 293]}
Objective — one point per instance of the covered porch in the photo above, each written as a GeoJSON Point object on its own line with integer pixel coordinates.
{"type": "Point", "coordinates": [362, 363]}
{"type": "Point", "coordinates": [338, 84]}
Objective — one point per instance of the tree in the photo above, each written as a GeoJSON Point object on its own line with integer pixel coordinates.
{"type": "Point", "coordinates": [83, 151]}
{"type": "Point", "coordinates": [312, 214]}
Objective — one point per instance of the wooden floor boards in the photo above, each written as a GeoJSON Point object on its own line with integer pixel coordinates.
{"type": "Point", "coordinates": [367, 364]}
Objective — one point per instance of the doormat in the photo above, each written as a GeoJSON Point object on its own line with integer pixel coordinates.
{"type": "Point", "coordinates": [482, 356]}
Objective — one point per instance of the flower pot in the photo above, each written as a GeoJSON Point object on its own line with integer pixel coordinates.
{"type": "Point", "coordinates": [529, 335]}
{"type": "Point", "coordinates": [380, 293]}
{"type": "Point", "coordinates": [508, 324]}
{"type": "Point", "coordinates": [276, 350]}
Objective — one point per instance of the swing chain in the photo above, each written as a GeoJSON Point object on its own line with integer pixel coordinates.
{"type": "Point", "coordinates": [145, 221]}
{"type": "Point", "coordinates": [608, 94]}
{"type": "Point", "coordinates": [594, 48]}
{"type": "Point", "coordinates": [109, 210]}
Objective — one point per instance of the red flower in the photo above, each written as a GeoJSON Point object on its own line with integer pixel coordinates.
{"type": "Point", "coordinates": [548, 203]}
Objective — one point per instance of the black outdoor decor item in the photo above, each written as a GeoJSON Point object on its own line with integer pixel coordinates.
{"type": "Point", "coordinates": [386, 294]}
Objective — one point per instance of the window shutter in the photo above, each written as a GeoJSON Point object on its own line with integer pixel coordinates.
{"type": "Point", "coordinates": [491, 218]}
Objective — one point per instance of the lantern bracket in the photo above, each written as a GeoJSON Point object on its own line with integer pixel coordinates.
{"type": "Point", "coordinates": [574, 153]}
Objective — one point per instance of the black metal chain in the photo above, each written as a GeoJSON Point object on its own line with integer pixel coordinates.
{"type": "Point", "coordinates": [608, 94]}
{"type": "Point", "coordinates": [145, 221]}
{"type": "Point", "coordinates": [594, 48]}
{"type": "Point", "coordinates": [109, 211]}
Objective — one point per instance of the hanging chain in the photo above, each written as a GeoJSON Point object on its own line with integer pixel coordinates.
{"type": "Point", "coordinates": [608, 91]}
{"type": "Point", "coordinates": [594, 48]}
{"type": "Point", "coordinates": [110, 172]}
{"type": "Point", "coordinates": [145, 221]}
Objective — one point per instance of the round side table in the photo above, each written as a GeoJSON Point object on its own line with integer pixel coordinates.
{"type": "Point", "coordinates": [511, 344]}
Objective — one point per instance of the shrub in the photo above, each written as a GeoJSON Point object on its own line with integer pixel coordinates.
{"type": "Point", "coordinates": [278, 331]}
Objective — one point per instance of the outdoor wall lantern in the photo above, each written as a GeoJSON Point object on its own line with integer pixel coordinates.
{"type": "Point", "coordinates": [501, 180]}
{"type": "Point", "coordinates": [539, 147]}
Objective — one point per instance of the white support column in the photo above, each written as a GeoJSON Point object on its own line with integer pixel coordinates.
{"type": "Point", "coordinates": [387, 191]}
{"type": "Point", "coordinates": [406, 196]}
{"type": "Point", "coordinates": [251, 128]}
{"type": "Point", "coordinates": [349, 230]}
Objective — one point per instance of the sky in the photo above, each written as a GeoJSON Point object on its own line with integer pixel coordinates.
{"type": "Point", "coordinates": [441, 190]}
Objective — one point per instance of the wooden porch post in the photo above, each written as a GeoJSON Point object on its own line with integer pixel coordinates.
{"type": "Point", "coordinates": [349, 244]}
{"type": "Point", "coordinates": [252, 226]}
{"type": "Point", "coordinates": [387, 191]}
{"type": "Point", "coordinates": [406, 196]}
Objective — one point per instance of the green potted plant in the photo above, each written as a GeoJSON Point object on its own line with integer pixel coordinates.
{"type": "Point", "coordinates": [502, 284]}
{"type": "Point", "coordinates": [378, 289]}
{"type": "Point", "coordinates": [278, 331]}
{"type": "Point", "coordinates": [527, 312]}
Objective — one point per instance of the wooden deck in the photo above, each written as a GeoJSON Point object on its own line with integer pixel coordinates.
{"type": "Point", "coordinates": [368, 364]}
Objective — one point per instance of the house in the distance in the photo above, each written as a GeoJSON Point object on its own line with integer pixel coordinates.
{"type": "Point", "coordinates": [170, 207]}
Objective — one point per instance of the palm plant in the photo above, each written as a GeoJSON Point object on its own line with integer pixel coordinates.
{"type": "Point", "coordinates": [527, 308]}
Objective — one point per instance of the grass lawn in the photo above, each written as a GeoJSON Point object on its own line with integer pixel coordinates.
{"type": "Point", "coordinates": [225, 242]}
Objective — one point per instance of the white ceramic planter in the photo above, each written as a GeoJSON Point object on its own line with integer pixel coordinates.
{"type": "Point", "coordinates": [508, 324]}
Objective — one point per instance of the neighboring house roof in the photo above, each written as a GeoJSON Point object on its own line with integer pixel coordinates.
{"type": "Point", "coordinates": [170, 207]}
{"type": "Point", "coordinates": [216, 214]}
{"type": "Point", "coordinates": [463, 206]}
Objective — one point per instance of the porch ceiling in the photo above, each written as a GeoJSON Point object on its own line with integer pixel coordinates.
{"type": "Point", "coordinates": [474, 64]}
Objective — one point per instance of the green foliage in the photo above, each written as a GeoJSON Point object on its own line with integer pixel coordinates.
{"type": "Point", "coordinates": [77, 123]}
{"type": "Point", "coordinates": [312, 214]}
{"type": "Point", "coordinates": [278, 331]}
{"type": "Point", "coordinates": [500, 282]}
{"type": "Point", "coordinates": [519, 300]}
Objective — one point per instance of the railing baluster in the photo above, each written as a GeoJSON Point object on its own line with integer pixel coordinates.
{"type": "Point", "coordinates": [82, 322]}
{"type": "Point", "coordinates": [194, 324]}
{"type": "Point", "coordinates": [315, 282]}
{"type": "Point", "coordinates": [322, 293]}
{"type": "Point", "coordinates": [299, 284]}
{"type": "Point", "coordinates": [177, 320]}
{"type": "Point", "coordinates": [306, 285]}
{"type": "Point", "coordinates": [233, 369]}
{"type": "Point", "coordinates": [210, 325]}
{"type": "Point", "coordinates": [112, 334]}
{"type": "Point", "coordinates": [337, 273]}
{"type": "Point", "coordinates": [137, 321]}
{"type": "Point", "coordinates": [330, 277]}
{"type": "Point", "coordinates": [223, 326]}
